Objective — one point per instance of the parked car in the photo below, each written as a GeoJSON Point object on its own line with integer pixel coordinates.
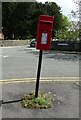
{"type": "Point", "coordinates": [33, 43]}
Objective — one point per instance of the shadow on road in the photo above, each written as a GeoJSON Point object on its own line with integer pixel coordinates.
{"type": "Point", "coordinates": [57, 55]}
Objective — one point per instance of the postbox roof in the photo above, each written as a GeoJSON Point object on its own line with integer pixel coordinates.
{"type": "Point", "coordinates": [46, 18]}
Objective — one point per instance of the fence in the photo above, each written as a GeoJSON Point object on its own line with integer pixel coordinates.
{"type": "Point", "coordinates": [66, 45]}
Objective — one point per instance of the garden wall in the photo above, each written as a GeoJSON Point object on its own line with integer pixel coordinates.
{"type": "Point", "coordinates": [14, 42]}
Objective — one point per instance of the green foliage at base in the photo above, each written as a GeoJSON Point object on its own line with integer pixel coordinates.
{"type": "Point", "coordinates": [43, 101]}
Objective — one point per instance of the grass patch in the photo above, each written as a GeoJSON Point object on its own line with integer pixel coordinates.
{"type": "Point", "coordinates": [43, 101]}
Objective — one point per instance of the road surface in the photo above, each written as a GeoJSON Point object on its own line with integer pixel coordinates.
{"type": "Point", "coordinates": [22, 62]}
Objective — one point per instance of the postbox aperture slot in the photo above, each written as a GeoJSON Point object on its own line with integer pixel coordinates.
{"type": "Point", "coordinates": [45, 22]}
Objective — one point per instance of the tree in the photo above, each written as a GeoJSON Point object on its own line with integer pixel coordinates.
{"type": "Point", "coordinates": [7, 13]}
{"type": "Point", "coordinates": [62, 34]}
{"type": "Point", "coordinates": [20, 18]}
{"type": "Point", "coordinates": [16, 19]}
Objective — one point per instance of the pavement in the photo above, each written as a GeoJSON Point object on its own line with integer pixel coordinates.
{"type": "Point", "coordinates": [65, 99]}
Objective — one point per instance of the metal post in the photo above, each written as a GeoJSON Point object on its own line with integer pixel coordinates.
{"type": "Point", "coordinates": [38, 73]}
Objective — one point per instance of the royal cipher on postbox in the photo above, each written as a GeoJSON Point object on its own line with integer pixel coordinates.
{"type": "Point", "coordinates": [44, 32]}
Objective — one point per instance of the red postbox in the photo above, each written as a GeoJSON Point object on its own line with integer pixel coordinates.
{"type": "Point", "coordinates": [44, 32]}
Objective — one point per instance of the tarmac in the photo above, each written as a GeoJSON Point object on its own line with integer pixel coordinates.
{"type": "Point", "coordinates": [65, 95]}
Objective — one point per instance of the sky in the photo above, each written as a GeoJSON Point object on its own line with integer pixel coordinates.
{"type": "Point", "coordinates": [66, 5]}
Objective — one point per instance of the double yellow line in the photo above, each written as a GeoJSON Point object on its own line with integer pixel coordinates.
{"type": "Point", "coordinates": [42, 79]}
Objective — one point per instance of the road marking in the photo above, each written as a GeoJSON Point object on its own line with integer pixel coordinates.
{"type": "Point", "coordinates": [5, 56]}
{"type": "Point", "coordinates": [10, 47]}
{"type": "Point", "coordinates": [42, 80]}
